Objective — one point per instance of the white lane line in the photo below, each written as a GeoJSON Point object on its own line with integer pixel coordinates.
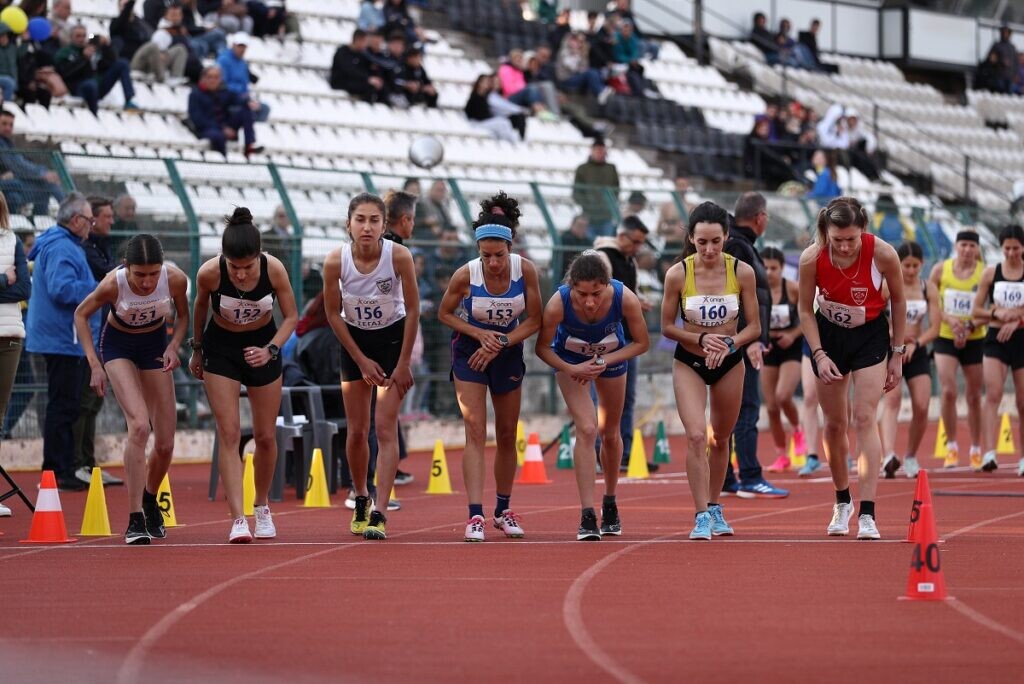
{"type": "Point", "coordinates": [985, 621]}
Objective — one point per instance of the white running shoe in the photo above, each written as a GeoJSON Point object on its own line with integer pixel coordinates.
{"type": "Point", "coordinates": [264, 523]}
{"type": "Point", "coordinates": [1020, 468]}
{"type": "Point", "coordinates": [475, 529]}
{"type": "Point", "coordinates": [911, 467]}
{"type": "Point", "coordinates": [840, 525]}
{"type": "Point", "coordinates": [866, 528]}
{"type": "Point", "coordinates": [989, 462]}
{"type": "Point", "coordinates": [5, 512]}
{"type": "Point", "coordinates": [509, 523]}
{"type": "Point", "coordinates": [240, 532]}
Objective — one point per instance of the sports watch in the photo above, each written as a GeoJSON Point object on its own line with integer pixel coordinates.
{"type": "Point", "coordinates": [193, 344]}
{"type": "Point", "coordinates": [503, 340]}
{"type": "Point", "coordinates": [729, 341]}
{"type": "Point", "coordinates": [274, 350]}
{"type": "Point", "coordinates": [898, 349]}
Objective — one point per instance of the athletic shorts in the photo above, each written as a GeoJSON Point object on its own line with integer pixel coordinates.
{"type": "Point", "coordinates": [144, 349]}
{"type": "Point", "coordinates": [223, 354]}
{"type": "Point", "coordinates": [918, 364]}
{"type": "Point", "coordinates": [573, 358]}
{"type": "Point", "coordinates": [777, 357]}
{"type": "Point", "coordinates": [853, 348]}
{"type": "Point", "coordinates": [503, 374]}
{"type": "Point", "coordinates": [1010, 352]}
{"type": "Point", "coordinates": [383, 345]}
{"type": "Point", "coordinates": [709, 375]}
{"type": "Point", "coordinates": [968, 355]}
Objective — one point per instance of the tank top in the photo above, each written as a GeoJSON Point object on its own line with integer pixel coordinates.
{"type": "Point", "coordinates": [956, 297]}
{"type": "Point", "coordinates": [784, 314]}
{"type": "Point", "coordinates": [709, 310]}
{"type": "Point", "coordinates": [917, 309]}
{"type": "Point", "coordinates": [1006, 293]}
{"type": "Point", "coordinates": [374, 300]}
{"type": "Point", "coordinates": [244, 308]}
{"type": "Point", "coordinates": [499, 312]}
{"type": "Point", "coordinates": [141, 311]}
{"type": "Point", "coordinates": [588, 339]}
{"type": "Point", "coordinates": [850, 300]}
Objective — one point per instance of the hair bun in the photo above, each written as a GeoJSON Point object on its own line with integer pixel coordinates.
{"type": "Point", "coordinates": [240, 216]}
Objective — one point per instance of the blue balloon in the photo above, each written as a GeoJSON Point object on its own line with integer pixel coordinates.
{"type": "Point", "coordinates": [39, 28]}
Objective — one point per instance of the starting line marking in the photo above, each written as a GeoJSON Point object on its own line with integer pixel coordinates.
{"type": "Point", "coordinates": [997, 494]}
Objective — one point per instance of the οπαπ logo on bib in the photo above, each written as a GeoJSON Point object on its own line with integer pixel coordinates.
{"type": "Point", "coordinates": [384, 285]}
{"type": "Point", "coordinates": [859, 294]}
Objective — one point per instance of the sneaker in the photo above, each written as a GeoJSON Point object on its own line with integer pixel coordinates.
{"type": "Point", "coordinates": [375, 528]}
{"type": "Point", "coordinates": [394, 505]}
{"type": "Point", "coordinates": [403, 478]}
{"type": "Point", "coordinates": [71, 484]}
{"type": "Point", "coordinates": [109, 480]}
{"type": "Point", "coordinates": [546, 115]}
{"type": "Point", "coordinates": [240, 531]}
{"type": "Point", "coordinates": [602, 97]}
{"type": "Point", "coordinates": [509, 524]}
{"type": "Point", "coordinates": [264, 523]}
{"type": "Point", "coordinates": [154, 519]}
{"type": "Point", "coordinates": [989, 463]}
{"type": "Point", "coordinates": [611, 525]}
{"type": "Point", "coordinates": [474, 529]}
{"type": "Point", "coordinates": [130, 106]}
{"type": "Point", "coordinates": [840, 525]}
{"type": "Point", "coordinates": [350, 501]}
{"type": "Point", "coordinates": [136, 532]}
{"type": "Point", "coordinates": [810, 466]}
{"type": "Point", "coordinates": [1020, 468]}
{"type": "Point", "coordinates": [252, 149]}
{"type": "Point", "coordinates": [891, 465]}
{"type": "Point", "coordinates": [730, 488]}
{"type": "Point", "coordinates": [781, 465]}
{"type": "Point", "coordinates": [760, 489]}
{"type": "Point", "coordinates": [975, 459]}
{"type": "Point", "coordinates": [866, 528]}
{"type": "Point", "coordinates": [701, 526]}
{"type": "Point", "coordinates": [911, 468]}
{"type": "Point", "coordinates": [952, 459]}
{"type": "Point", "coordinates": [5, 512]}
{"type": "Point", "coordinates": [362, 507]}
{"type": "Point", "coordinates": [588, 528]}
{"type": "Point", "coordinates": [719, 527]}
{"type": "Point", "coordinates": [84, 474]}
{"type": "Point", "coordinates": [799, 443]}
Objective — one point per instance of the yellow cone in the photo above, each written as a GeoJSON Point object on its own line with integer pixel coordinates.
{"type": "Point", "coordinates": [637, 458]}
{"type": "Point", "coordinates": [316, 483]}
{"type": "Point", "coordinates": [166, 502]}
{"type": "Point", "coordinates": [1005, 445]}
{"type": "Point", "coordinates": [248, 486]}
{"type": "Point", "coordinates": [439, 483]}
{"type": "Point", "coordinates": [520, 443]}
{"type": "Point", "coordinates": [393, 496]}
{"type": "Point", "coordinates": [96, 522]}
{"type": "Point", "coordinates": [940, 441]}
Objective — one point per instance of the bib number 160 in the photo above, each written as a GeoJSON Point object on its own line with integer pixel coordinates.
{"type": "Point", "coordinates": [712, 313]}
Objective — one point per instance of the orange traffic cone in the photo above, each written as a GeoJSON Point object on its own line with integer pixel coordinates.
{"type": "Point", "coordinates": [533, 463]}
{"type": "Point", "coordinates": [922, 495]}
{"type": "Point", "coordinates": [925, 582]}
{"type": "Point", "coordinates": [48, 521]}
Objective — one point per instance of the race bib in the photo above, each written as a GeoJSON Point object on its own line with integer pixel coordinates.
{"type": "Point", "coordinates": [244, 311]}
{"type": "Point", "coordinates": [367, 313]}
{"type": "Point", "coordinates": [145, 314]}
{"type": "Point", "coordinates": [957, 303]}
{"type": "Point", "coordinates": [1008, 295]}
{"type": "Point", "coordinates": [916, 310]}
{"type": "Point", "coordinates": [841, 314]}
{"type": "Point", "coordinates": [607, 345]}
{"type": "Point", "coordinates": [780, 319]}
{"type": "Point", "coordinates": [498, 311]}
{"type": "Point", "coordinates": [712, 310]}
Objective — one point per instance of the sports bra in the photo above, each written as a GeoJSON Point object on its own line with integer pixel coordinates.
{"type": "Point", "coordinates": [141, 311]}
{"type": "Point", "coordinates": [244, 308]}
{"type": "Point", "coordinates": [710, 310]}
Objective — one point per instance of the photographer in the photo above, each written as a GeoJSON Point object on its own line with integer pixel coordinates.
{"type": "Point", "coordinates": [90, 67]}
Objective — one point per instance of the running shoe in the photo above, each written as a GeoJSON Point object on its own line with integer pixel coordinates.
{"type": "Point", "coordinates": [136, 532]}
{"type": "Point", "coordinates": [799, 444]}
{"type": "Point", "coordinates": [375, 528]}
{"type": "Point", "coordinates": [361, 514]}
{"type": "Point", "coordinates": [891, 465]}
{"type": "Point", "coordinates": [264, 523]}
{"type": "Point", "coordinates": [588, 528]}
{"type": "Point", "coordinates": [701, 526]}
{"type": "Point", "coordinates": [989, 463]}
{"type": "Point", "coordinates": [1020, 468]}
{"type": "Point", "coordinates": [810, 466]}
{"type": "Point", "coordinates": [952, 459]}
{"type": "Point", "coordinates": [403, 478]}
{"type": "Point", "coordinates": [5, 512]}
{"type": "Point", "coordinates": [840, 524]}
{"type": "Point", "coordinates": [154, 519]}
{"type": "Point", "coordinates": [781, 464]}
{"type": "Point", "coordinates": [474, 529]}
{"type": "Point", "coordinates": [976, 461]}
{"type": "Point", "coordinates": [760, 489]}
{"type": "Point", "coordinates": [240, 531]}
{"type": "Point", "coordinates": [866, 528]}
{"type": "Point", "coordinates": [911, 467]}
{"type": "Point", "coordinates": [509, 523]}
{"type": "Point", "coordinates": [611, 525]}
{"type": "Point", "coordinates": [109, 480]}
{"type": "Point", "coordinates": [350, 502]}
{"type": "Point", "coordinates": [730, 488]}
{"type": "Point", "coordinates": [719, 527]}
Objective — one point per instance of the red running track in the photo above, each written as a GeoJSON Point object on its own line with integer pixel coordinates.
{"type": "Point", "coordinates": [780, 602]}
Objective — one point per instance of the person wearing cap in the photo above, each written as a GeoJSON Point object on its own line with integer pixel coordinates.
{"type": "Point", "coordinates": [960, 343]}
{"type": "Point", "coordinates": [596, 189]}
{"type": "Point", "coordinates": [483, 305]}
{"type": "Point", "coordinates": [237, 78]}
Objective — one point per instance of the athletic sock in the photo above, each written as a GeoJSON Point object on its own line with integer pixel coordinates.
{"type": "Point", "coordinates": [843, 496]}
{"type": "Point", "coordinates": [147, 497]}
{"type": "Point", "coordinates": [867, 508]}
{"type": "Point", "coordinates": [501, 504]}
{"type": "Point", "coordinates": [608, 500]}
{"type": "Point", "coordinates": [476, 509]}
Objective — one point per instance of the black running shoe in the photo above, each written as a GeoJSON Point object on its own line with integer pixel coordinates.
{"type": "Point", "coordinates": [136, 532]}
{"type": "Point", "coordinates": [588, 528]}
{"type": "Point", "coordinates": [154, 519]}
{"type": "Point", "coordinates": [610, 523]}
{"type": "Point", "coordinates": [891, 465]}
{"type": "Point", "coordinates": [375, 527]}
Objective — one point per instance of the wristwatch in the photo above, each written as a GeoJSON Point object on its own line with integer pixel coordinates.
{"type": "Point", "coordinates": [193, 345]}
{"type": "Point", "coordinates": [898, 349]}
{"type": "Point", "coordinates": [503, 340]}
{"type": "Point", "coordinates": [729, 341]}
{"type": "Point", "coordinates": [274, 350]}
{"type": "Point", "coordinates": [599, 361]}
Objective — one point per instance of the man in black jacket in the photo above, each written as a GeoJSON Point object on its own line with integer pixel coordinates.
{"type": "Point", "coordinates": [91, 69]}
{"type": "Point", "coordinates": [353, 72]}
{"type": "Point", "coordinates": [750, 222]}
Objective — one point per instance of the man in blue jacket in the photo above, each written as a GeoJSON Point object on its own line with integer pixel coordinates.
{"type": "Point", "coordinates": [235, 71]}
{"type": "Point", "coordinates": [218, 113]}
{"type": "Point", "coordinates": [61, 280]}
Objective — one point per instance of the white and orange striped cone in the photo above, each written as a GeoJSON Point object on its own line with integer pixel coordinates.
{"type": "Point", "coordinates": [533, 463]}
{"type": "Point", "coordinates": [48, 521]}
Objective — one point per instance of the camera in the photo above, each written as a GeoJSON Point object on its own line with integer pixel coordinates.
{"type": "Point", "coordinates": [94, 40]}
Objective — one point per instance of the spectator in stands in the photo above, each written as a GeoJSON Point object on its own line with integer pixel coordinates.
{"type": "Point", "coordinates": [790, 52]}
{"type": "Point", "coordinates": [596, 189]}
{"type": "Point", "coordinates": [371, 16]}
{"type": "Point", "coordinates": [128, 31]}
{"type": "Point", "coordinates": [397, 18]}
{"type": "Point", "coordinates": [417, 86]}
{"type": "Point", "coordinates": [411, 186]}
{"type": "Point", "coordinates": [574, 241]}
{"type": "Point", "coordinates": [989, 75]}
{"type": "Point", "coordinates": [8, 63]}
{"type": "Point", "coordinates": [391, 66]}
{"type": "Point", "coordinates": [60, 21]}
{"type": "Point", "coordinates": [448, 255]}
{"type": "Point", "coordinates": [432, 216]}
{"type": "Point", "coordinates": [670, 221]}
{"type": "Point", "coordinates": [648, 48]}
{"type": "Point", "coordinates": [602, 45]}
{"type": "Point", "coordinates": [862, 145]}
{"type": "Point", "coordinates": [91, 68]}
{"type": "Point", "coordinates": [636, 204]}
{"type": "Point", "coordinates": [809, 39]}
{"type": "Point", "coordinates": [540, 73]}
{"type": "Point", "coordinates": [124, 215]}
{"type": "Point", "coordinates": [761, 159]}
{"type": "Point", "coordinates": [61, 280]}
{"type": "Point", "coordinates": [218, 114]}
{"type": "Point", "coordinates": [1006, 52]}
{"type": "Point", "coordinates": [512, 78]}
{"type": "Point", "coordinates": [763, 39]}
{"type": "Point", "coordinates": [277, 238]}
{"type": "Point", "coordinates": [23, 181]}
{"type": "Point", "coordinates": [353, 72]}
{"type": "Point", "coordinates": [1018, 82]}
{"type": "Point", "coordinates": [558, 31]}
{"type": "Point", "coordinates": [237, 77]}
{"type": "Point", "coordinates": [826, 187]}
{"type": "Point", "coordinates": [202, 40]}
{"type": "Point", "coordinates": [487, 109]}
{"type": "Point", "coordinates": [38, 81]}
{"type": "Point", "coordinates": [231, 16]}
{"type": "Point", "coordinates": [269, 17]}
{"type": "Point", "coordinates": [545, 10]}
{"type": "Point", "coordinates": [573, 71]}
{"type": "Point", "coordinates": [627, 52]}
{"type": "Point", "coordinates": [889, 224]}
{"type": "Point", "coordinates": [169, 47]}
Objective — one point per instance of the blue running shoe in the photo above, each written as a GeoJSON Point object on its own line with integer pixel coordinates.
{"type": "Point", "coordinates": [730, 488]}
{"type": "Point", "coordinates": [701, 526]}
{"type": "Point", "coordinates": [809, 467]}
{"type": "Point", "coordinates": [719, 527]}
{"type": "Point", "coordinates": [760, 489]}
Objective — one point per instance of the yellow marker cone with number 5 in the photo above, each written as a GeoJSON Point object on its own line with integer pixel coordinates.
{"type": "Point", "coordinates": [166, 502]}
{"type": "Point", "coordinates": [439, 483]}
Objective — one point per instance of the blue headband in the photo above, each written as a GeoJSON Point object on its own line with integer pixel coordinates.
{"type": "Point", "coordinates": [494, 230]}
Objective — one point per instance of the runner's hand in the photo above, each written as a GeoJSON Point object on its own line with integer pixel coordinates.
{"type": "Point", "coordinates": [827, 370]}
{"type": "Point", "coordinates": [1006, 330]}
{"type": "Point", "coordinates": [894, 373]}
{"type": "Point", "coordinates": [480, 359]}
{"type": "Point", "coordinates": [755, 353]}
{"type": "Point", "coordinates": [98, 381]}
{"type": "Point", "coordinates": [170, 360]}
{"type": "Point", "coordinates": [588, 370]}
{"type": "Point", "coordinates": [257, 356]}
{"type": "Point", "coordinates": [489, 340]}
{"type": "Point", "coordinates": [401, 379]}
{"type": "Point", "coordinates": [372, 372]}
{"type": "Point", "coordinates": [195, 365]}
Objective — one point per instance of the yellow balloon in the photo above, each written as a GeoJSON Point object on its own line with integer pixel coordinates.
{"type": "Point", "coordinates": [15, 18]}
